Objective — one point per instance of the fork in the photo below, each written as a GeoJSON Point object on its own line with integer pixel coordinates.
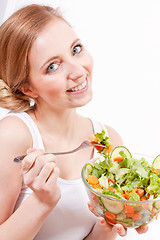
{"type": "Point", "coordinates": [84, 144]}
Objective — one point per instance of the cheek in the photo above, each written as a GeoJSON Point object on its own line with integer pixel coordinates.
{"type": "Point", "coordinates": [54, 87]}
{"type": "Point", "coordinates": [89, 63]}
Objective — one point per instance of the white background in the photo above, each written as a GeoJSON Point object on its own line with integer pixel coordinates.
{"type": "Point", "coordinates": [124, 40]}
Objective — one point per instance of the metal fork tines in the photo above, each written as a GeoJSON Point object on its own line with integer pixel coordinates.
{"type": "Point", "coordinates": [84, 144]}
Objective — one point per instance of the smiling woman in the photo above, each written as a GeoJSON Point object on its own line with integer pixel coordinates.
{"type": "Point", "coordinates": [64, 65]}
{"type": "Point", "coordinates": [46, 73]}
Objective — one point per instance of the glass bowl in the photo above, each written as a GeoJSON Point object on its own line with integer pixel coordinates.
{"type": "Point", "coordinates": [128, 213]}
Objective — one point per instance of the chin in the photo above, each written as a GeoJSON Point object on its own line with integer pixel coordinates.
{"type": "Point", "coordinates": [84, 101]}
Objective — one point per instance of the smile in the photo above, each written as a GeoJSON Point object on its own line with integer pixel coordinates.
{"type": "Point", "coordinates": [79, 87]}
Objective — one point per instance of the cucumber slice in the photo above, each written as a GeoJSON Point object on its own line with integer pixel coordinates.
{"type": "Point", "coordinates": [115, 152]}
{"type": "Point", "coordinates": [112, 206]}
{"type": "Point", "coordinates": [156, 162]}
{"type": "Point", "coordinates": [157, 204]}
{"type": "Point", "coordinates": [88, 170]}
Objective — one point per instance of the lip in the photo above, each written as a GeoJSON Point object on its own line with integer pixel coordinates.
{"type": "Point", "coordinates": [81, 90]}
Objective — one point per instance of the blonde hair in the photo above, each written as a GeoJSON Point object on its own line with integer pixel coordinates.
{"type": "Point", "coordinates": [17, 34]}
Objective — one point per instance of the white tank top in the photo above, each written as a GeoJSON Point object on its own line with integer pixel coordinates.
{"type": "Point", "coordinates": [70, 219]}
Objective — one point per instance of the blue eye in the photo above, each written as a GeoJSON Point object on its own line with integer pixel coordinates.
{"type": "Point", "coordinates": [77, 49]}
{"type": "Point", "coordinates": [52, 67]}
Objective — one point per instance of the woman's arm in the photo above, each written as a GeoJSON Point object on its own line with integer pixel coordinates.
{"type": "Point", "coordinates": [26, 221]}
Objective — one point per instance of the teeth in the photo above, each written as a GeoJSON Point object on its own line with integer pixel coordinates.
{"type": "Point", "coordinates": [79, 87]}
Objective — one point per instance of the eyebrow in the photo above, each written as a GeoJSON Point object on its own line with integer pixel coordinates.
{"type": "Point", "coordinates": [52, 58]}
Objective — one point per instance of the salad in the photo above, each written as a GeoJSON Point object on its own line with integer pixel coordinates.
{"type": "Point", "coordinates": [130, 185]}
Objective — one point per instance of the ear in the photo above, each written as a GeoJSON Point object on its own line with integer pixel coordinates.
{"type": "Point", "coordinates": [28, 90]}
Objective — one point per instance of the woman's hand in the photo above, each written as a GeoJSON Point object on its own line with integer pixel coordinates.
{"type": "Point", "coordinates": [40, 173]}
{"type": "Point", "coordinates": [142, 229]}
{"type": "Point", "coordinates": [102, 230]}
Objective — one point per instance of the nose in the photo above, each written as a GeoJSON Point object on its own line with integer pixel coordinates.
{"type": "Point", "coordinates": [75, 70]}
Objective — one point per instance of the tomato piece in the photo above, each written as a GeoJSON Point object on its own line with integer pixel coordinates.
{"type": "Point", "coordinates": [99, 148]}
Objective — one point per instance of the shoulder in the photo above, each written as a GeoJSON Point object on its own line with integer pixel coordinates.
{"type": "Point", "coordinates": [14, 140]}
{"type": "Point", "coordinates": [14, 131]}
{"type": "Point", "coordinates": [114, 136]}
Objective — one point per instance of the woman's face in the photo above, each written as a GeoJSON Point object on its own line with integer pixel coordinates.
{"type": "Point", "coordinates": [60, 68]}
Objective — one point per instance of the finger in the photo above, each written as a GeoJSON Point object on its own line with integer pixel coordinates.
{"type": "Point", "coordinates": [31, 150]}
{"type": "Point", "coordinates": [34, 172]}
{"type": "Point", "coordinates": [142, 229]}
{"type": "Point", "coordinates": [50, 157]}
{"type": "Point", "coordinates": [46, 171]}
{"type": "Point", "coordinates": [52, 180]}
{"type": "Point", "coordinates": [120, 230]}
{"type": "Point", "coordinates": [29, 160]}
{"type": "Point", "coordinates": [40, 162]}
{"type": "Point", "coordinates": [104, 224]}
{"type": "Point", "coordinates": [91, 208]}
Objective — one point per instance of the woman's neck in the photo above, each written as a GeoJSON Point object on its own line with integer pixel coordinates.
{"type": "Point", "coordinates": [63, 131]}
{"type": "Point", "coordinates": [58, 124]}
